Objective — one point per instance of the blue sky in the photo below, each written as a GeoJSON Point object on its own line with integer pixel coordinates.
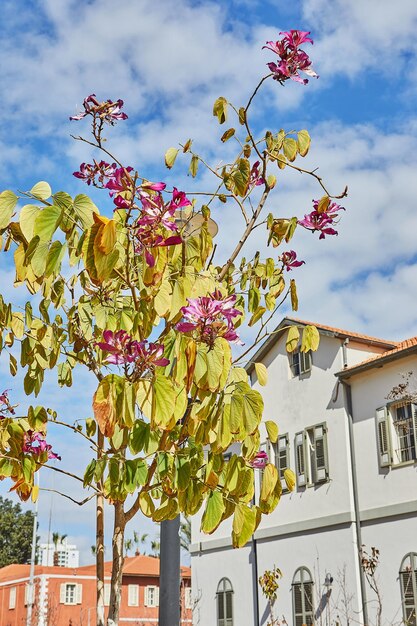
{"type": "Point", "coordinates": [169, 60]}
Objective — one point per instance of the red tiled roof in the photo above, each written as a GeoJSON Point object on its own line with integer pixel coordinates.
{"type": "Point", "coordinates": [348, 333]}
{"type": "Point", "coordinates": [378, 359]}
{"type": "Point", "coordinates": [140, 565]}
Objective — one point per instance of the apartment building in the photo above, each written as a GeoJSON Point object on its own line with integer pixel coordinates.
{"type": "Point", "coordinates": [352, 445]}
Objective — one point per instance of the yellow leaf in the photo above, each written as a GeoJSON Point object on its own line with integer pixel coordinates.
{"type": "Point", "coordinates": [303, 142]}
{"type": "Point", "coordinates": [35, 493]}
{"type": "Point", "coordinates": [269, 480]}
{"type": "Point", "coordinates": [289, 478]}
{"type": "Point", "coordinates": [292, 338]}
{"type": "Point", "coordinates": [107, 237]}
{"type": "Point", "coordinates": [294, 297]}
{"type": "Point", "coordinates": [170, 156]}
{"type": "Point", "coordinates": [272, 430]}
{"type": "Point", "coordinates": [41, 190]}
{"type": "Point", "coordinates": [220, 109]}
{"type": "Point", "coordinates": [261, 373]}
{"type": "Point", "coordinates": [311, 339]}
{"type": "Point", "coordinates": [323, 204]}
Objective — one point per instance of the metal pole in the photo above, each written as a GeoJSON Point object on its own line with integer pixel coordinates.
{"type": "Point", "coordinates": [170, 573]}
{"type": "Point", "coordinates": [32, 564]}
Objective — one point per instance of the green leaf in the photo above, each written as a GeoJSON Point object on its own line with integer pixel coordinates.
{"type": "Point", "coordinates": [293, 337]}
{"type": "Point", "coordinates": [84, 208]}
{"type": "Point", "coordinates": [310, 339]}
{"type": "Point", "coordinates": [220, 109]}
{"type": "Point", "coordinates": [213, 513]}
{"type": "Point", "coordinates": [227, 135]}
{"type": "Point", "coordinates": [183, 472]}
{"type": "Point", "coordinates": [240, 176]}
{"type": "Point", "coordinates": [8, 202]}
{"type": "Point", "coordinates": [89, 473]}
{"type": "Point", "coordinates": [261, 373]}
{"type": "Point", "coordinates": [164, 395]}
{"type": "Point", "coordinates": [242, 116]}
{"type": "Point", "coordinates": [272, 430]}
{"type": "Point", "coordinates": [41, 190]}
{"type": "Point", "coordinates": [54, 258]}
{"type": "Point", "coordinates": [46, 222]}
{"type": "Point", "coordinates": [12, 364]}
{"type": "Point", "coordinates": [245, 521]}
{"type": "Point", "coordinates": [303, 142]}
{"type": "Point", "coordinates": [170, 156]}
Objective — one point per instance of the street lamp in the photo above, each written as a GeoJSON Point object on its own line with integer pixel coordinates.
{"type": "Point", "coordinates": [170, 551]}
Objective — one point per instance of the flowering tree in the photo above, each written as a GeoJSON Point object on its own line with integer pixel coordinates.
{"type": "Point", "coordinates": [147, 310]}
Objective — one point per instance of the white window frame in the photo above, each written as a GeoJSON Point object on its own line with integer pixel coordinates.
{"type": "Point", "coordinates": [64, 597]}
{"type": "Point", "coordinates": [12, 598]}
{"type": "Point", "coordinates": [408, 585]}
{"type": "Point", "coordinates": [312, 456]}
{"type": "Point", "coordinates": [154, 600]}
{"type": "Point", "coordinates": [300, 363]}
{"type": "Point", "coordinates": [393, 432]}
{"type": "Point", "coordinates": [302, 580]}
{"type": "Point", "coordinates": [133, 595]}
{"type": "Point", "coordinates": [224, 591]}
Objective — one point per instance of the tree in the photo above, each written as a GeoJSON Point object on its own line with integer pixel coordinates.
{"type": "Point", "coordinates": [16, 530]}
{"type": "Point", "coordinates": [150, 312]}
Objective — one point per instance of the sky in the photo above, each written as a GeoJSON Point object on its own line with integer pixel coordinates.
{"type": "Point", "coordinates": [169, 60]}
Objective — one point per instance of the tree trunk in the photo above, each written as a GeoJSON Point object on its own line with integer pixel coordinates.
{"type": "Point", "coordinates": [117, 569]}
{"type": "Point", "coordinates": [100, 543]}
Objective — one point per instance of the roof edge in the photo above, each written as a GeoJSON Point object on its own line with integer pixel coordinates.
{"type": "Point", "coordinates": [377, 362]}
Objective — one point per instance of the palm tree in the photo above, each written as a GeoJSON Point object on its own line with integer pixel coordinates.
{"type": "Point", "coordinates": [56, 539]}
{"type": "Point", "coordinates": [139, 541]}
{"type": "Point", "coordinates": [155, 547]}
{"type": "Point", "coordinates": [128, 546]}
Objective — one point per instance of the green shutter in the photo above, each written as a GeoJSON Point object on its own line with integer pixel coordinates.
{"type": "Point", "coordinates": [321, 460]}
{"type": "Point", "coordinates": [300, 461]}
{"type": "Point", "coordinates": [384, 437]}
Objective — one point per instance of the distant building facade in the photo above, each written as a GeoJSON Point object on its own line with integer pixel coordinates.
{"type": "Point", "coordinates": [63, 555]}
{"type": "Point", "coordinates": [67, 596]}
{"type": "Point", "coordinates": [354, 452]}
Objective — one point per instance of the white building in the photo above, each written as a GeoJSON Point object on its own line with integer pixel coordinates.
{"type": "Point", "coordinates": [66, 555]}
{"type": "Point", "coordinates": [354, 454]}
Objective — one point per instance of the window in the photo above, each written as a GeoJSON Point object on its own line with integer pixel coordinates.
{"type": "Point", "coordinates": [281, 451]}
{"type": "Point", "coordinates": [397, 433]}
{"type": "Point", "coordinates": [107, 590]}
{"type": "Point", "coordinates": [188, 598]}
{"type": "Point", "coordinates": [151, 595]}
{"type": "Point", "coordinates": [133, 595]}
{"type": "Point", "coordinates": [302, 598]}
{"type": "Point", "coordinates": [12, 598]}
{"type": "Point", "coordinates": [311, 456]}
{"type": "Point", "coordinates": [70, 593]}
{"type": "Point", "coordinates": [300, 362]}
{"type": "Point", "coordinates": [224, 603]}
{"type": "Point", "coordinates": [408, 583]}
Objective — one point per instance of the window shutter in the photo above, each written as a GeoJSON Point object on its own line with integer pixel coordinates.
{"type": "Point", "coordinates": [384, 438]}
{"type": "Point", "coordinates": [146, 596]}
{"type": "Point", "coordinates": [107, 589]}
{"type": "Point", "coordinates": [79, 594]}
{"type": "Point", "coordinates": [188, 598]}
{"type": "Point", "coordinates": [133, 595]}
{"type": "Point", "coordinates": [12, 598]}
{"type": "Point", "coordinates": [414, 409]}
{"type": "Point", "coordinates": [300, 459]}
{"type": "Point", "coordinates": [156, 596]}
{"type": "Point", "coordinates": [298, 604]}
{"type": "Point", "coordinates": [62, 593]}
{"type": "Point", "coordinates": [305, 362]}
{"type": "Point", "coordinates": [320, 454]}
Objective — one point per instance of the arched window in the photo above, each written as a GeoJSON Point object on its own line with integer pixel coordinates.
{"type": "Point", "coordinates": [408, 582]}
{"type": "Point", "coordinates": [224, 603]}
{"type": "Point", "coordinates": [302, 597]}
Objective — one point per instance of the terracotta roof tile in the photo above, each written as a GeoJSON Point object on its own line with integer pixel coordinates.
{"type": "Point", "coordinates": [348, 333]}
{"type": "Point", "coordinates": [389, 355]}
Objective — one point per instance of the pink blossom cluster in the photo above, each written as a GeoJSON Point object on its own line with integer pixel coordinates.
{"type": "Point", "coordinates": [124, 350]}
{"type": "Point", "coordinates": [97, 173]}
{"type": "Point", "coordinates": [260, 461]}
{"type": "Point", "coordinates": [107, 111]}
{"type": "Point", "coordinates": [289, 260]}
{"type": "Point", "coordinates": [5, 406]}
{"type": "Point", "coordinates": [255, 175]}
{"type": "Point", "coordinates": [322, 220]}
{"type": "Point", "coordinates": [292, 58]}
{"type": "Point", "coordinates": [210, 317]}
{"type": "Point", "coordinates": [34, 443]}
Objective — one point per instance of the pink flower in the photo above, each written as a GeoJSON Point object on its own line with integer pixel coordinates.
{"type": "Point", "coordinates": [322, 220]}
{"type": "Point", "coordinates": [124, 350]}
{"type": "Point", "coordinates": [179, 200]}
{"type": "Point", "coordinates": [260, 461]}
{"type": "Point", "coordinates": [292, 59]}
{"type": "Point", "coordinates": [101, 171]}
{"type": "Point", "coordinates": [35, 443]}
{"type": "Point", "coordinates": [5, 406]}
{"type": "Point", "coordinates": [210, 317]}
{"type": "Point", "coordinates": [255, 176]}
{"type": "Point", "coordinates": [289, 260]}
{"type": "Point", "coordinates": [107, 111]}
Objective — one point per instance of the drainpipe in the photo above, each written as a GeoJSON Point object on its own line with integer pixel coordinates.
{"type": "Point", "coordinates": [349, 409]}
{"type": "Point", "coordinates": [255, 581]}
